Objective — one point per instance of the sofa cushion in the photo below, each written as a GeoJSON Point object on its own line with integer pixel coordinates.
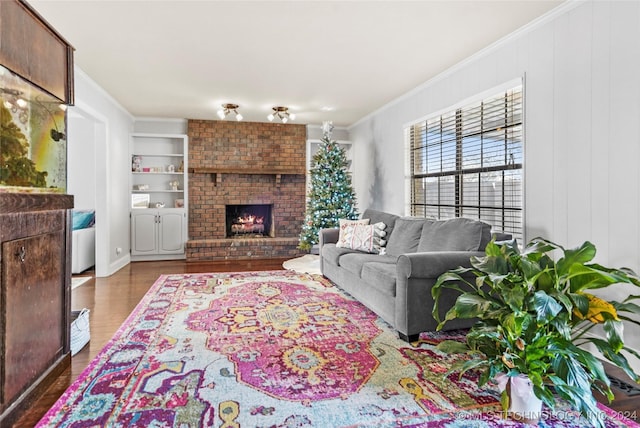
{"type": "Point", "coordinates": [381, 276]}
{"type": "Point", "coordinates": [456, 234]}
{"type": "Point", "coordinates": [369, 238]}
{"type": "Point", "coordinates": [405, 236]}
{"type": "Point", "coordinates": [353, 262]}
{"type": "Point", "coordinates": [332, 253]}
{"type": "Point", "coordinates": [344, 224]}
{"type": "Point", "coordinates": [375, 216]}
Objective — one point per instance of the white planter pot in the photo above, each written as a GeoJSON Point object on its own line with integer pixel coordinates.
{"type": "Point", "coordinates": [524, 406]}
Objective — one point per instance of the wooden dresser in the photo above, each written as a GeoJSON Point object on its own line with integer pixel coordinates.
{"type": "Point", "coordinates": [35, 241]}
{"type": "Point", "coordinates": [35, 232]}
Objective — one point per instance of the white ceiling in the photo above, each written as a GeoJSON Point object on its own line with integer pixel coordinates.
{"type": "Point", "coordinates": [325, 60]}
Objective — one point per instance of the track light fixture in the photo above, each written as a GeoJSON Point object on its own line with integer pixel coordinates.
{"type": "Point", "coordinates": [281, 113]}
{"type": "Point", "coordinates": [227, 109]}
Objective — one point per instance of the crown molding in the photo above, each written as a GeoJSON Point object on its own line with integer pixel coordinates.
{"type": "Point", "coordinates": [525, 29]}
{"type": "Point", "coordinates": [78, 71]}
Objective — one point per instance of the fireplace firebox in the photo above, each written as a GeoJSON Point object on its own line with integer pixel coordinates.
{"type": "Point", "coordinates": [249, 221]}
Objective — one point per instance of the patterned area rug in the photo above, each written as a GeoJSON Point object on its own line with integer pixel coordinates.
{"type": "Point", "coordinates": [274, 349]}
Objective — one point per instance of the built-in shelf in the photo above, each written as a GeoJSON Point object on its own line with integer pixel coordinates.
{"type": "Point", "coordinates": [157, 191]}
{"type": "Point", "coordinates": [177, 155]}
{"type": "Point", "coordinates": [150, 172]}
{"type": "Point", "coordinates": [159, 214]}
{"type": "Point", "coordinates": [216, 173]}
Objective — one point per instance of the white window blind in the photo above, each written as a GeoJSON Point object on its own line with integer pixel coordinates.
{"type": "Point", "coordinates": [468, 163]}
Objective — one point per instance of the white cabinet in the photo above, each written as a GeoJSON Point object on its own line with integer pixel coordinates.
{"type": "Point", "coordinates": [159, 195]}
{"type": "Point", "coordinates": [157, 232]}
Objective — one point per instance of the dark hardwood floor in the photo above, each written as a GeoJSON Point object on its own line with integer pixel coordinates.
{"type": "Point", "coordinates": [112, 299]}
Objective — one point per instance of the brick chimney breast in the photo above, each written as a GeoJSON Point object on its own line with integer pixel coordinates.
{"type": "Point", "coordinates": [245, 163]}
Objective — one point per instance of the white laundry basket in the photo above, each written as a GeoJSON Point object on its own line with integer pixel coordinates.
{"type": "Point", "coordinates": [80, 330]}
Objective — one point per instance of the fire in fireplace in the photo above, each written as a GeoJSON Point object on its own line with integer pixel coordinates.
{"type": "Point", "coordinates": [249, 221]}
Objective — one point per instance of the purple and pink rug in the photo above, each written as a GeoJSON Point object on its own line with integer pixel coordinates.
{"type": "Point", "coordinates": [274, 349]}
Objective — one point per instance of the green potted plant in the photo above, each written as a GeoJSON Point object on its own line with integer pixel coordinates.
{"type": "Point", "coordinates": [535, 318]}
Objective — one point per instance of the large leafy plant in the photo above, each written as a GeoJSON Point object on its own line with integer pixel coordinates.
{"type": "Point", "coordinates": [535, 316]}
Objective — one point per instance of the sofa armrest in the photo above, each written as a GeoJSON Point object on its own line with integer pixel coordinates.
{"type": "Point", "coordinates": [434, 263]}
{"type": "Point", "coordinates": [328, 236]}
{"type": "Point", "coordinates": [417, 273]}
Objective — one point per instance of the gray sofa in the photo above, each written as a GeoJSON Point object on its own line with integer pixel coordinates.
{"type": "Point", "coordinates": [397, 285]}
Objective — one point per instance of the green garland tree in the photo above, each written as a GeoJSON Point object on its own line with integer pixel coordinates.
{"type": "Point", "coordinates": [330, 195]}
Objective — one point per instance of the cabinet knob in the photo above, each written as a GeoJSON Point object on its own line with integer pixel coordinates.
{"type": "Point", "coordinates": [21, 254]}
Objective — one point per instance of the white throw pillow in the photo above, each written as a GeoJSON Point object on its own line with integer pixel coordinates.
{"type": "Point", "coordinates": [367, 238]}
{"type": "Point", "coordinates": [343, 225]}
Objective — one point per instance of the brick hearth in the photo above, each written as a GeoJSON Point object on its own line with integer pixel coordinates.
{"type": "Point", "coordinates": [245, 163]}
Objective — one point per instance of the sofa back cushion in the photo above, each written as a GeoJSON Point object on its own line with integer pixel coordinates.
{"type": "Point", "coordinates": [456, 234]}
{"type": "Point", "coordinates": [375, 216]}
{"type": "Point", "coordinates": [406, 236]}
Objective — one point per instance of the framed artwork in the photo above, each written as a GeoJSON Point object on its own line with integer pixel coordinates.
{"type": "Point", "coordinates": [140, 200]}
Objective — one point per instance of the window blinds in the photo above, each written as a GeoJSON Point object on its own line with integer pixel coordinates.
{"type": "Point", "coordinates": [468, 163]}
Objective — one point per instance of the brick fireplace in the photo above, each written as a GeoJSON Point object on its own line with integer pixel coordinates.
{"type": "Point", "coordinates": [249, 221]}
{"type": "Point", "coordinates": [244, 164]}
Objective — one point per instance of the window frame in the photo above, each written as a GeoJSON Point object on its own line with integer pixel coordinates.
{"type": "Point", "coordinates": [508, 214]}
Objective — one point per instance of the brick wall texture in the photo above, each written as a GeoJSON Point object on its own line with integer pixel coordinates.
{"type": "Point", "coordinates": [256, 147]}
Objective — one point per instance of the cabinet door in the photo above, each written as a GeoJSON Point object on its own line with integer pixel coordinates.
{"type": "Point", "coordinates": [33, 291]}
{"type": "Point", "coordinates": [144, 235]}
{"type": "Point", "coordinates": [170, 230]}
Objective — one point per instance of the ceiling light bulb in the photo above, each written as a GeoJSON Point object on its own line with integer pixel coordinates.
{"type": "Point", "coordinates": [271, 117]}
{"type": "Point", "coordinates": [292, 116]}
{"type": "Point", "coordinates": [238, 117]}
{"type": "Point", "coordinates": [284, 119]}
{"type": "Point", "coordinates": [21, 103]}
{"type": "Point", "coordinates": [221, 114]}
{"type": "Point", "coordinates": [8, 104]}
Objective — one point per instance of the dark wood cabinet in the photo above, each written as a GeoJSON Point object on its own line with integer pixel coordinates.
{"type": "Point", "coordinates": [34, 50]}
{"type": "Point", "coordinates": [35, 291]}
{"type": "Point", "coordinates": [35, 232]}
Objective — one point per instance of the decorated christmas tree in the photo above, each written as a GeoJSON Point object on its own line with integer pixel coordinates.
{"type": "Point", "coordinates": [330, 195]}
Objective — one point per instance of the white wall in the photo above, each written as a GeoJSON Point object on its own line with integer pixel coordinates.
{"type": "Point", "coordinates": [152, 125]}
{"type": "Point", "coordinates": [314, 132]}
{"type": "Point", "coordinates": [81, 159]}
{"type": "Point", "coordinates": [581, 65]}
{"type": "Point", "coordinates": [111, 127]}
